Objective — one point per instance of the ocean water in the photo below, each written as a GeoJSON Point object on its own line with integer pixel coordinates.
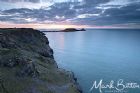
{"type": "Point", "coordinates": [95, 55]}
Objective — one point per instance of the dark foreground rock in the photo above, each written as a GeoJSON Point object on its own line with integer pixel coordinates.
{"type": "Point", "coordinates": [27, 64]}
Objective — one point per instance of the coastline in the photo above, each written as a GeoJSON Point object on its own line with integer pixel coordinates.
{"type": "Point", "coordinates": [59, 31]}
{"type": "Point", "coordinates": [27, 59]}
{"type": "Point", "coordinates": [67, 30]}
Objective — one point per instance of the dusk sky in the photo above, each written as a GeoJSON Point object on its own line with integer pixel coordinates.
{"type": "Point", "coordinates": [70, 13]}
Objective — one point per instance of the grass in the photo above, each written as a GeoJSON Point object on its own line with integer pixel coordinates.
{"type": "Point", "coordinates": [12, 83]}
{"type": "Point", "coordinates": [45, 66]}
{"type": "Point", "coordinates": [5, 51]}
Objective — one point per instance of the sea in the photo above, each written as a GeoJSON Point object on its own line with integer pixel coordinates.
{"type": "Point", "coordinates": [103, 60]}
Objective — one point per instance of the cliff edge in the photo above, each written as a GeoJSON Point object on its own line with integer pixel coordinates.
{"type": "Point", "coordinates": [27, 64]}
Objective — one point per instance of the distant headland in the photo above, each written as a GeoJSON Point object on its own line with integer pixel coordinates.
{"type": "Point", "coordinates": [68, 30]}
{"type": "Point", "coordinates": [72, 30]}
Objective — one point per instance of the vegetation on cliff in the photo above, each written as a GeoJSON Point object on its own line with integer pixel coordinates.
{"type": "Point", "coordinates": [27, 64]}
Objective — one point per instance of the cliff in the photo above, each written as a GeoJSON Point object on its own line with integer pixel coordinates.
{"type": "Point", "coordinates": [27, 64]}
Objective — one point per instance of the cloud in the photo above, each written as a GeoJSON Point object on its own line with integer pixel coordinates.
{"type": "Point", "coordinates": [13, 1]}
{"type": "Point", "coordinates": [57, 12]}
{"type": "Point", "coordinates": [78, 12]}
{"type": "Point", "coordinates": [95, 2]}
{"type": "Point", "coordinates": [113, 14]}
{"type": "Point", "coordinates": [125, 14]}
{"type": "Point", "coordinates": [87, 15]}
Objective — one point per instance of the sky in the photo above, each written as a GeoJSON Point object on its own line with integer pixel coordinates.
{"type": "Point", "coordinates": [44, 14]}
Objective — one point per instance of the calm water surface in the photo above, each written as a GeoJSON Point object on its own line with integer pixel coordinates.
{"type": "Point", "coordinates": [99, 54]}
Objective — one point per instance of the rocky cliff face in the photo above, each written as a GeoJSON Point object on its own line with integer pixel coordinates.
{"type": "Point", "coordinates": [27, 64]}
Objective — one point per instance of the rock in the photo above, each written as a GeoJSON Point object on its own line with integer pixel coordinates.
{"type": "Point", "coordinates": [29, 69]}
{"type": "Point", "coordinates": [27, 61]}
{"type": "Point", "coordinates": [74, 80]}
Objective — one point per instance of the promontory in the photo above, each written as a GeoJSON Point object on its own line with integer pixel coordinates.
{"type": "Point", "coordinates": [27, 64]}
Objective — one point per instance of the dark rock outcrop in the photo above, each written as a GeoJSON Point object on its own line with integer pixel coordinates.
{"type": "Point", "coordinates": [27, 64]}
